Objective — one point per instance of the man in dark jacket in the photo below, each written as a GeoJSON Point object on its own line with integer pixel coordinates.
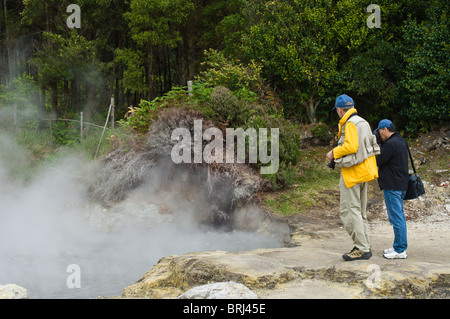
{"type": "Point", "coordinates": [393, 180]}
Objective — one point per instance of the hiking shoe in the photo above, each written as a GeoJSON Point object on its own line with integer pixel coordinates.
{"type": "Point", "coordinates": [395, 255]}
{"type": "Point", "coordinates": [356, 254]}
{"type": "Point", "coordinates": [389, 250]}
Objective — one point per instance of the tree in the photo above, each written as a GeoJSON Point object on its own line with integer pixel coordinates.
{"type": "Point", "coordinates": [76, 64]}
{"type": "Point", "coordinates": [301, 43]}
{"type": "Point", "coordinates": [373, 77]}
{"type": "Point", "coordinates": [234, 75]}
{"type": "Point", "coordinates": [155, 28]}
{"type": "Point", "coordinates": [374, 70]}
{"type": "Point", "coordinates": [141, 48]}
{"type": "Point", "coordinates": [427, 79]}
{"type": "Point", "coordinates": [69, 59]}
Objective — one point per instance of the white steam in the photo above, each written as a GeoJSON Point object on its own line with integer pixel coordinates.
{"type": "Point", "coordinates": [47, 224]}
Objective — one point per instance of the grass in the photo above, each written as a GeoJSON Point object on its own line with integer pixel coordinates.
{"type": "Point", "coordinates": [26, 150]}
{"type": "Point", "coordinates": [37, 144]}
{"type": "Point", "coordinates": [312, 184]}
{"type": "Point", "coordinates": [23, 150]}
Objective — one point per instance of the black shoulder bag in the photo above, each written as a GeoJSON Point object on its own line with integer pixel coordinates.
{"type": "Point", "coordinates": [415, 185]}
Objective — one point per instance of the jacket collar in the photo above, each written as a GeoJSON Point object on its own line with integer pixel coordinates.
{"type": "Point", "coordinates": [393, 135]}
{"type": "Point", "coordinates": [344, 119]}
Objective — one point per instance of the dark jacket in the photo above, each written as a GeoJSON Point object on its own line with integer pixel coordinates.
{"type": "Point", "coordinates": [393, 164]}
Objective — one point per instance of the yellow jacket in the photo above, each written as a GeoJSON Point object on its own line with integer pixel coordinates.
{"type": "Point", "coordinates": [360, 173]}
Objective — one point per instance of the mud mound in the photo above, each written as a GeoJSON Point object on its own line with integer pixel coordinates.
{"type": "Point", "coordinates": [215, 191]}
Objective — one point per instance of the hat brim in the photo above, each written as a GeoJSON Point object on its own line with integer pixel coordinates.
{"type": "Point", "coordinates": [345, 106]}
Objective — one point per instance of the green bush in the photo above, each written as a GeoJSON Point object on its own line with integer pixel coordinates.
{"type": "Point", "coordinates": [139, 118]}
{"type": "Point", "coordinates": [226, 108]}
{"type": "Point", "coordinates": [220, 71]}
{"type": "Point", "coordinates": [289, 147]}
{"type": "Point", "coordinates": [427, 75]}
{"type": "Point", "coordinates": [321, 131]}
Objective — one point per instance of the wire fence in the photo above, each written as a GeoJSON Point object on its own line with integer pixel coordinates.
{"type": "Point", "coordinates": [83, 124]}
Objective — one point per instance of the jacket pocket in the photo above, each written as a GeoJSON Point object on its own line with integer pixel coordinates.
{"type": "Point", "coordinates": [346, 161]}
{"type": "Point", "coordinates": [371, 145]}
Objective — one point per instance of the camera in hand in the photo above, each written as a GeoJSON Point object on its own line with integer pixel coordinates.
{"type": "Point", "coordinates": [332, 164]}
{"type": "Point", "coordinates": [377, 134]}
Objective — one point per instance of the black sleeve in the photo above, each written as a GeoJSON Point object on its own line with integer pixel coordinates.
{"type": "Point", "coordinates": [387, 150]}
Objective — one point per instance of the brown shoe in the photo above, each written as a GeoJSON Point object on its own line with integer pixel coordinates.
{"type": "Point", "coordinates": [356, 254]}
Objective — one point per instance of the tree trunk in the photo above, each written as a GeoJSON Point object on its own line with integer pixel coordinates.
{"type": "Point", "coordinates": [54, 97]}
{"type": "Point", "coordinates": [8, 48]}
{"type": "Point", "coordinates": [90, 104]}
{"type": "Point", "coordinates": [311, 108]}
{"type": "Point", "coordinates": [66, 98]}
{"type": "Point", "coordinates": [186, 49]}
{"type": "Point", "coordinates": [42, 112]}
{"type": "Point", "coordinates": [148, 73]}
{"type": "Point", "coordinates": [75, 92]}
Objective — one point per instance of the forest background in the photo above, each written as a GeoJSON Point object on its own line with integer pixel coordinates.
{"type": "Point", "coordinates": [287, 60]}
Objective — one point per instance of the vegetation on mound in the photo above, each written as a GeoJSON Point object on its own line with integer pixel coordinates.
{"type": "Point", "coordinates": [226, 109]}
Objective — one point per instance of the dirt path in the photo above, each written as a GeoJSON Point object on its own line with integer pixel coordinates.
{"type": "Point", "coordinates": [319, 233]}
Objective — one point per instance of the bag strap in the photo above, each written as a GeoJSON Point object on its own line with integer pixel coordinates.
{"type": "Point", "coordinates": [343, 126]}
{"type": "Point", "coordinates": [354, 114]}
{"type": "Point", "coordinates": [411, 159]}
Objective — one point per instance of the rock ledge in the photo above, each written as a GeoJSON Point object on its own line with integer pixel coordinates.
{"type": "Point", "coordinates": [313, 270]}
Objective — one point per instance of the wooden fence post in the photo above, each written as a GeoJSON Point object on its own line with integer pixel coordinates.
{"type": "Point", "coordinates": [81, 126]}
{"type": "Point", "coordinates": [189, 84]}
{"type": "Point", "coordinates": [112, 113]}
{"type": "Point", "coordinates": [104, 128]}
{"type": "Point", "coordinates": [15, 116]}
{"type": "Point", "coordinates": [50, 126]}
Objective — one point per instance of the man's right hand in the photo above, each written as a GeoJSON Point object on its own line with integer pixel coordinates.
{"type": "Point", "coordinates": [330, 155]}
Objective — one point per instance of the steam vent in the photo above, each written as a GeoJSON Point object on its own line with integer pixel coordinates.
{"type": "Point", "coordinates": [222, 196]}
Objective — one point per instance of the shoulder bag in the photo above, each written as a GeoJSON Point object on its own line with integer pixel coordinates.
{"type": "Point", "coordinates": [415, 185]}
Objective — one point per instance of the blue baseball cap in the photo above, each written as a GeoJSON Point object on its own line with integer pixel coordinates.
{"type": "Point", "coordinates": [384, 123]}
{"type": "Point", "coordinates": [344, 101]}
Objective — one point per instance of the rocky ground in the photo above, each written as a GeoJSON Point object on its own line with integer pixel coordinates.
{"type": "Point", "coordinates": [313, 266]}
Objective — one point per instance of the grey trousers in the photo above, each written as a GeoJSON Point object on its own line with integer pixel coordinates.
{"type": "Point", "coordinates": [353, 205]}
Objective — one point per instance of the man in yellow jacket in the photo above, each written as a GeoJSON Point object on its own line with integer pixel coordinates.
{"type": "Point", "coordinates": [355, 155]}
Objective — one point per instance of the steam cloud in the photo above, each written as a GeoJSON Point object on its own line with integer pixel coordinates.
{"type": "Point", "coordinates": [48, 223]}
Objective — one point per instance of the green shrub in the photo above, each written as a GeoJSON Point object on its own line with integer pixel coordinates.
{"type": "Point", "coordinates": [321, 131]}
{"type": "Point", "coordinates": [139, 118]}
{"type": "Point", "coordinates": [427, 73]}
{"type": "Point", "coordinates": [226, 108]}
{"type": "Point", "coordinates": [220, 71]}
{"type": "Point", "coordinates": [289, 147]}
